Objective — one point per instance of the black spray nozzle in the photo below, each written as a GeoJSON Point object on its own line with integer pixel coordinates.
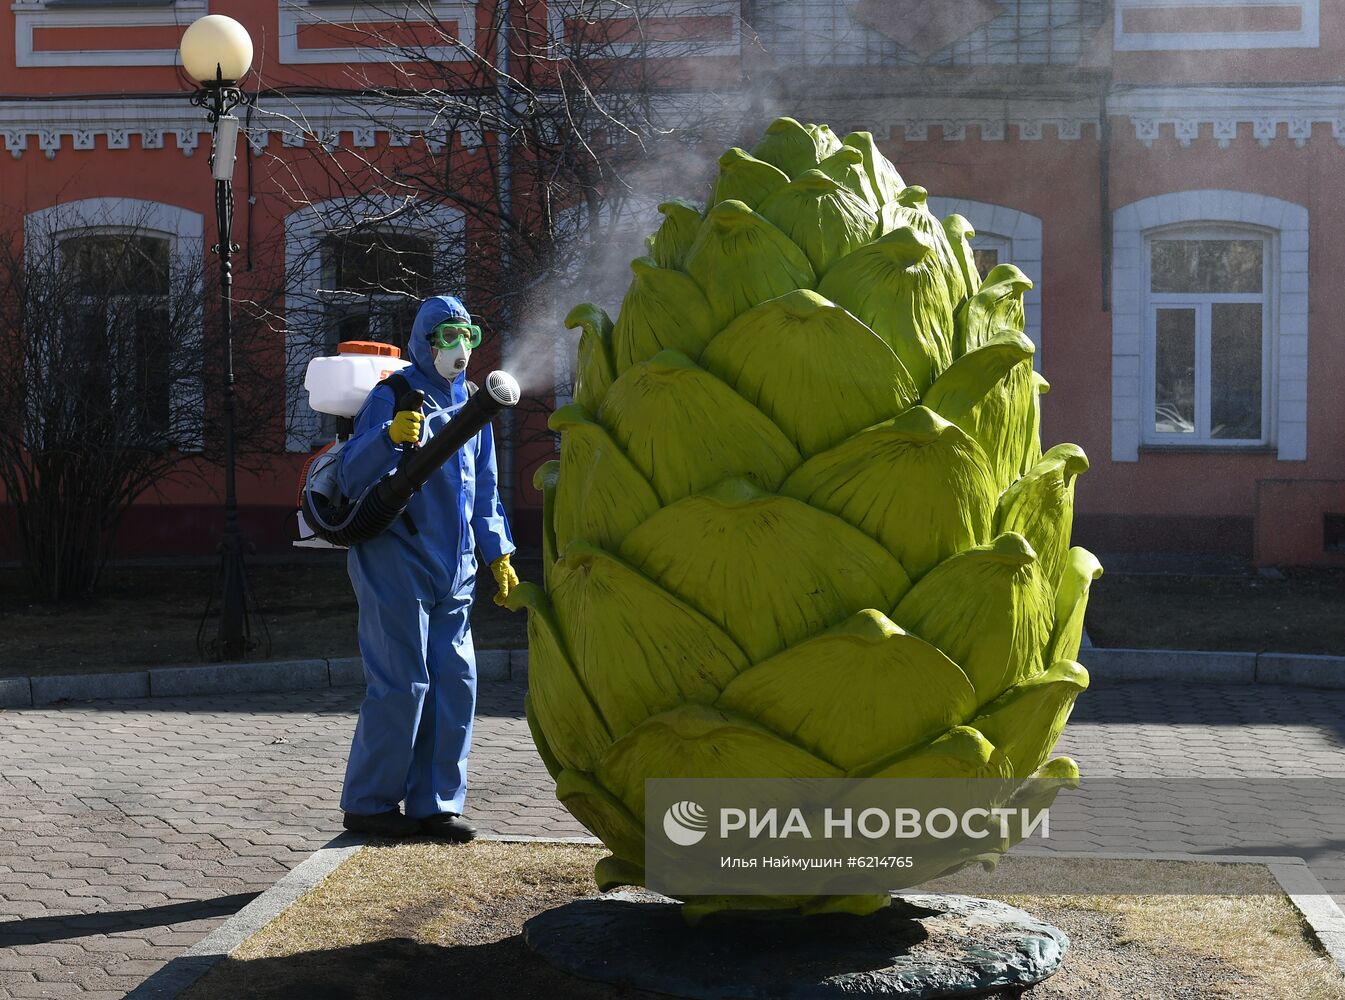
{"type": "Point", "coordinates": [500, 392]}
{"type": "Point", "coordinates": [381, 506]}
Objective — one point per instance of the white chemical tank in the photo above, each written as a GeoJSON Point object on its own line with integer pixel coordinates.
{"type": "Point", "coordinates": [340, 385]}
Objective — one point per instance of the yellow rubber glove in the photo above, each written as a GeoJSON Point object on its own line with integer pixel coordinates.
{"type": "Point", "coordinates": [405, 427]}
{"type": "Point", "coordinates": [505, 577]}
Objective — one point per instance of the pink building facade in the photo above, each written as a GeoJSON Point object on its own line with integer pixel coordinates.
{"type": "Point", "coordinates": [1170, 174]}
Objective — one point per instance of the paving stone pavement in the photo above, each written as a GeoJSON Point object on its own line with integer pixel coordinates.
{"type": "Point", "coordinates": [129, 829]}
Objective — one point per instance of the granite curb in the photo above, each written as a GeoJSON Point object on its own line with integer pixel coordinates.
{"type": "Point", "coordinates": [1290, 669]}
{"type": "Point", "coordinates": [226, 678]}
{"type": "Point", "coordinates": [1323, 917]}
{"type": "Point", "coordinates": [179, 974]}
{"type": "Point", "coordinates": [1105, 664]}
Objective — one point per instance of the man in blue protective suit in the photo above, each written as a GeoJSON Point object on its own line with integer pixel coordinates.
{"type": "Point", "coordinates": [414, 583]}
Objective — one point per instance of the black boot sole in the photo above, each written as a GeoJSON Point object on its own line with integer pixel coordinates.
{"type": "Point", "coordinates": [377, 826]}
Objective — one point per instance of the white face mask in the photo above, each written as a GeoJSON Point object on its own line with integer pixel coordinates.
{"type": "Point", "coordinates": [452, 362]}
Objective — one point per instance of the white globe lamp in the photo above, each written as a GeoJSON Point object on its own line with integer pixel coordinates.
{"type": "Point", "coordinates": [216, 47]}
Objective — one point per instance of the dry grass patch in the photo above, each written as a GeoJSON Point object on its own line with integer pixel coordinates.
{"type": "Point", "coordinates": [419, 919]}
{"type": "Point", "coordinates": [430, 920]}
{"type": "Point", "coordinates": [1238, 947]}
{"type": "Point", "coordinates": [1183, 929]}
{"type": "Point", "coordinates": [430, 893]}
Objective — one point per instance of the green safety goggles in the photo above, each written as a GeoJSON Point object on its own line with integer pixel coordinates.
{"type": "Point", "coordinates": [446, 336]}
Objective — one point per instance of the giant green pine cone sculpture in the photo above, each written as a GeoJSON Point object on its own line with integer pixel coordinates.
{"type": "Point", "coordinates": [801, 525]}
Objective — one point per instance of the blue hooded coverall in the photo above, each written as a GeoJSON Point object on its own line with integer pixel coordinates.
{"type": "Point", "coordinates": [415, 592]}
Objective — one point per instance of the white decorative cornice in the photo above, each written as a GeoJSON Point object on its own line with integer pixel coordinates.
{"type": "Point", "coordinates": [1305, 35]}
{"type": "Point", "coordinates": [76, 124]}
{"type": "Point", "coordinates": [1025, 128]}
{"type": "Point", "coordinates": [957, 118]}
{"type": "Point", "coordinates": [362, 45]}
{"type": "Point", "coordinates": [31, 16]}
{"type": "Point", "coordinates": [328, 122]}
{"type": "Point", "coordinates": [1267, 110]}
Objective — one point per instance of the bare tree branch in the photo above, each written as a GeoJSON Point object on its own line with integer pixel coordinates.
{"type": "Point", "coordinates": [580, 116]}
{"type": "Point", "coordinates": [105, 398]}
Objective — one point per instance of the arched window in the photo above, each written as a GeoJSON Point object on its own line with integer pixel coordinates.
{"type": "Point", "coordinates": [373, 281]}
{"type": "Point", "coordinates": [1004, 236]}
{"type": "Point", "coordinates": [1209, 324]}
{"type": "Point", "coordinates": [125, 276]}
{"type": "Point", "coordinates": [358, 269]}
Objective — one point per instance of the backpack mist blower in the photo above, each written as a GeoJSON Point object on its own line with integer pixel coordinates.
{"type": "Point", "coordinates": [339, 386]}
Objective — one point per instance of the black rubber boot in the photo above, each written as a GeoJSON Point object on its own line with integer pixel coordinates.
{"type": "Point", "coordinates": [448, 826]}
{"type": "Point", "coordinates": [385, 824]}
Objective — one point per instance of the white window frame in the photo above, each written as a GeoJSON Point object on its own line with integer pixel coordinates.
{"type": "Point", "coordinates": [295, 14]}
{"type": "Point", "coordinates": [382, 305]}
{"type": "Point", "coordinates": [1201, 304]}
{"type": "Point", "coordinates": [1002, 245]}
{"type": "Point", "coordinates": [33, 14]}
{"type": "Point", "coordinates": [306, 229]}
{"type": "Point", "coordinates": [1308, 36]}
{"type": "Point", "coordinates": [1286, 402]}
{"type": "Point", "coordinates": [182, 228]}
{"type": "Point", "coordinates": [1019, 235]}
{"type": "Point", "coordinates": [594, 11]}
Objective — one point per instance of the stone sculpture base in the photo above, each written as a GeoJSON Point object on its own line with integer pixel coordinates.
{"type": "Point", "coordinates": [923, 946]}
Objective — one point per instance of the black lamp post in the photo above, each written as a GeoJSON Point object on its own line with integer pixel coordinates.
{"type": "Point", "coordinates": [217, 52]}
